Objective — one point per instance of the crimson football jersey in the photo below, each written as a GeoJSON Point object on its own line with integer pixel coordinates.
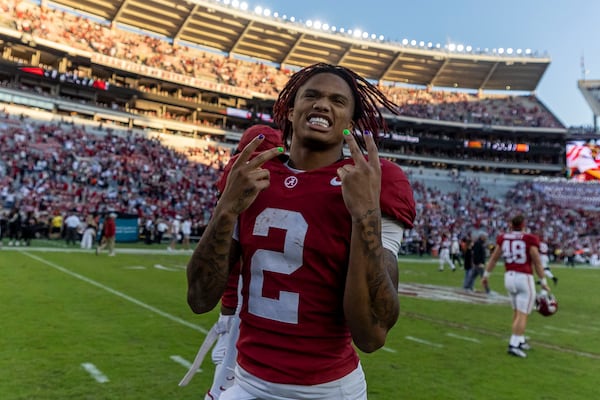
{"type": "Point", "coordinates": [295, 240]}
{"type": "Point", "coordinates": [515, 250]}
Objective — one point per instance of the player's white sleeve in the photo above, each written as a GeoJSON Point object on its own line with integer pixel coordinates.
{"type": "Point", "coordinates": [223, 326]}
{"type": "Point", "coordinates": [391, 234]}
{"type": "Point", "coordinates": [224, 356]}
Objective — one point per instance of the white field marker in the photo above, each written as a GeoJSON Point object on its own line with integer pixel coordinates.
{"type": "Point", "coordinates": [95, 372]}
{"type": "Point", "coordinates": [183, 362]}
{"type": "Point", "coordinates": [119, 294]}
{"type": "Point", "coordinates": [539, 333]}
{"type": "Point", "coordinates": [422, 341]}
{"type": "Point", "coordinates": [468, 339]}
{"type": "Point", "coordinates": [553, 328]}
{"type": "Point", "coordinates": [388, 349]}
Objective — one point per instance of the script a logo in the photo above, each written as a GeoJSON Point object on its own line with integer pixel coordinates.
{"type": "Point", "coordinates": [335, 181]}
{"type": "Point", "coordinates": [290, 182]}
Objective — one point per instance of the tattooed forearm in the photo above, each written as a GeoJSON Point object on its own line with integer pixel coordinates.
{"type": "Point", "coordinates": [382, 275]}
{"type": "Point", "coordinates": [371, 302]}
{"type": "Point", "coordinates": [208, 268]}
{"type": "Point", "coordinates": [384, 292]}
{"type": "Point", "coordinates": [370, 223]}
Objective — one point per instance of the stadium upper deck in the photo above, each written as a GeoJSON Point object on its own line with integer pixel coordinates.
{"type": "Point", "coordinates": [181, 89]}
{"type": "Point", "coordinates": [591, 92]}
{"type": "Point", "coordinates": [233, 31]}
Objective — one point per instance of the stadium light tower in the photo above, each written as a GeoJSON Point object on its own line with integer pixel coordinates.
{"type": "Point", "coordinates": [591, 94]}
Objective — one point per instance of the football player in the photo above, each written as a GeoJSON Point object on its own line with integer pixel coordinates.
{"type": "Point", "coordinates": [318, 253]}
{"type": "Point", "coordinates": [445, 253]}
{"type": "Point", "coordinates": [520, 252]}
{"type": "Point", "coordinates": [545, 259]}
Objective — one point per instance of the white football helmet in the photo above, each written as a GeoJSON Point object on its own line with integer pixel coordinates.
{"type": "Point", "coordinates": [546, 304]}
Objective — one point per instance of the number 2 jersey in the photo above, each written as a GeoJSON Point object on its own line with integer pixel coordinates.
{"type": "Point", "coordinates": [515, 250]}
{"type": "Point", "coordinates": [295, 243]}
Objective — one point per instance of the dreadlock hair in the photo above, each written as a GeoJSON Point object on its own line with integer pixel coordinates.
{"type": "Point", "coordinates": [367, 100]}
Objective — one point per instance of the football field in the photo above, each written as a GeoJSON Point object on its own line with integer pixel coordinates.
{"type": "Point", "coordinates": [80, 326]}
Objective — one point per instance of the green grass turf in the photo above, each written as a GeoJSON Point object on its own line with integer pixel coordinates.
{"type": "Point", "coordinates": [128, 316]}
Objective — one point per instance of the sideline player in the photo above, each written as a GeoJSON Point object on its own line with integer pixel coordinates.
{"type": "Point", "coordinates": [445, 253]}
{"type": "Point", "coordinates": [520, 252]}
{"type": "Point", "coordinates": [545, 259]}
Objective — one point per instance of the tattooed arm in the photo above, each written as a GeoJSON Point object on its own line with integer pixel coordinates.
{"type": "Point", "coordinates": [209, 266]}
{"type": "Point", "coordinates": [371, 304]}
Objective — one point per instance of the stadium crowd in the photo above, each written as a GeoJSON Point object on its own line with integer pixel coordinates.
{"type": "Point", "coordinates": [55, 169]}
{"type": "Point", "coordinates": [85, 34]}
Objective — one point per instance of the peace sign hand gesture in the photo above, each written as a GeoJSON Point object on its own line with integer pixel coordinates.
{"type": "Point", "coordinates": [361, 181]}
{"type": "Point", "coordinates": [247, 178]}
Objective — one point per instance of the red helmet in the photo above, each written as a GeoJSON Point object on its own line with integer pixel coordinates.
{"type": "Point", "coordinates": [546, 304]}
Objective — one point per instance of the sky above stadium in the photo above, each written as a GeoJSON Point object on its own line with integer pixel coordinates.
{"type": "Point", "coordinates": [568, 31]}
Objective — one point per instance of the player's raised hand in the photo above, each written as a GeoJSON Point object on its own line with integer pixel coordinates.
{"type": "Point", "coordinates": [361, 182]}
{"type": "Point", "coordinates": [247, 177]}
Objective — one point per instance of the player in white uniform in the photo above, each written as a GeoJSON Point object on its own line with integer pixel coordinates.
{"type": "Point", "coordinates": [545, 259]}
{"type": "Point", "coordinates": [445, 253]}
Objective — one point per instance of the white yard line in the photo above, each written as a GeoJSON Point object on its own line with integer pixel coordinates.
{"type": "Point", "coordinates": [554, 328]}
{"type": "Point", "coordinates": [468, 339]}
{"type": "Point", "coordinates": [119, 294]}
{"type": "Point", "coordinates": [95, 372]}
{"type": "Point", "coordinates": [423, 341]}
{"type": "Point", "coordinates": [183, 362]}
{"type": "Point", "coordinates": [389, 350]}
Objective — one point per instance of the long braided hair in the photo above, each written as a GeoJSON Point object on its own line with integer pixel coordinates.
{"type": "Point", "coordinates": [368, 98]}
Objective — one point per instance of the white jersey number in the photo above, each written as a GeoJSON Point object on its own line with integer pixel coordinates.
{"type": "Point", "coordinates": [284, 309]}
{"type": "Point", "coordinates": [514, 251]}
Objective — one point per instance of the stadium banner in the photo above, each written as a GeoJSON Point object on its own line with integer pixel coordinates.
{"type": "Point", "coordinates": [127, 228]}
{"type": "Point", "coordinates": [572, 194]}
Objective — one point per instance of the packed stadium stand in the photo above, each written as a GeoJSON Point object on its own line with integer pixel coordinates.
{"type": "Point", "coordinates": [134, 107]}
